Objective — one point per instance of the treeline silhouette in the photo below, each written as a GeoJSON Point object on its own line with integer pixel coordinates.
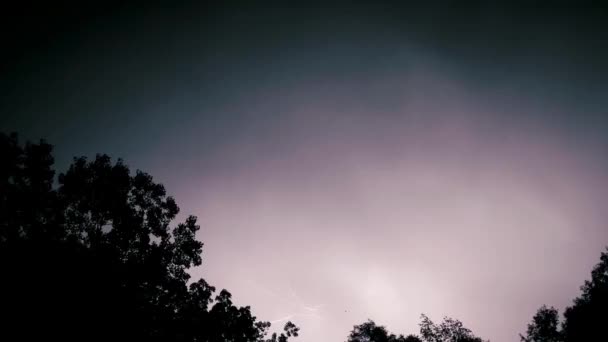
{"type": "Point", "coordinates": [92, 255]}
{"type": "Point", "coordinates": [585, 321]}
{"type": "Point", "coordinates": [95, 258]}
{"type": "Point", "coordinates": [450, 330]}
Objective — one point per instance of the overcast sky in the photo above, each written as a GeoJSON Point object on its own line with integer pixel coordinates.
{"type": "Point", "coordinates": [346, 162]}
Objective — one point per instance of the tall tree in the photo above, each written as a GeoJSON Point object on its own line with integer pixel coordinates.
{"type": "Point", "coordinates": [586, 319]}
{"type": "Point", "coordinates": [98, 258]}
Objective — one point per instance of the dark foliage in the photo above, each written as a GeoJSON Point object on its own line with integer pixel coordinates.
{"type": "Point", "coordinates": [96, 258]}
{"type": "Point", "coordinates": [370, 332]}
{"type": "Point", "coordinates": [411, 338]}
{"type": "Point", "coordinates": [585, 320]}
{"type": "Point", "coordinates": [450, 330]}
{"type": "Point", "coordinates": [544, 326]}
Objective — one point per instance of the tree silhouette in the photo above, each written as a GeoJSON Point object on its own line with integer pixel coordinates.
{"type": "Point", "coordinates": [370, 332]}
{"type": "Point", "coordinates": [411, 338]}
{"type": "Point", "coordinates": [98, 259]}
{"type": "Point", "coordinates": [544, 326]}
{"type": "Point", "coordinates": [450, 330]}
{"type": "Point", "coordinates": [585, 320]}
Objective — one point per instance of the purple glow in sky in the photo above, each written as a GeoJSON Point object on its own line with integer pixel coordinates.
{"type": "Point", "coordinates": [350, 164]}
{"type": "Point", "coordinates": [392, 215]}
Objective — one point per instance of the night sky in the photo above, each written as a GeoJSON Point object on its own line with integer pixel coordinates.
{"type": "Point", "coordinates": [346, 161]}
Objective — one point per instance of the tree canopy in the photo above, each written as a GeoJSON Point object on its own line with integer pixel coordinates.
{"type": "Point", "coordinates": [585, 320]}
{"type": "Point", "coordinates": [544, 326]}
{"type": "Point", "coordinates": [96, 256]}
{"type": "Point", "coordinates": [369, 331]}
{"type": "Point", "coordinates": [449, 330]}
